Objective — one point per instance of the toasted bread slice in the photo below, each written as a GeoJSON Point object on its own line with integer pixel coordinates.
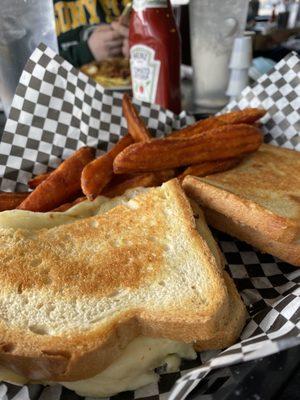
{"type": "Point", "coordinates": [262, 192]}
{"type": "Point", "coordinates": [232, 322]}
{"type": "Point", "coordinates": [289, 253]}
{"type": "Point", "coordinates": [75, 295]}
{"type": "Point", "coordinates": [205, 232]}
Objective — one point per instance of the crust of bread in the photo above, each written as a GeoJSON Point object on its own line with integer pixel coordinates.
{"type": "Point", "coordinates": [205, 232]}
{"type": "Point", "coordinates": [233, 322]}
{"type": "Point", "coordinates": [65, 356]}
{"type": "Point", "coordinates": [289, 253]}
{"type": "Point", "coordinates": [262, 192]}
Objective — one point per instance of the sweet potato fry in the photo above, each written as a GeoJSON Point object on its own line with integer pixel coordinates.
{"type": "Point", "coordinates": [165, 175]}
{"type": "Point", "coordinates": [196, 129]}
{"type": "Point", "coordinates": [209, 167]}
{"type": "Point", "coordinates": [135, 125]}
{"type": "Point", "coordinates": [228, 141]}
{"type": "Point", "coordinates": [99, 173]}
{"type": "Point", "coordinates": [120, 183]}
{"type": "Point", "coordinates": [247, 116]}
{"type": "Point", "coordinates": [10, 201]}
{"type": "Point", "coordinates": [144, 180]}
{"type": "Point", "coordinates": [34, 182]}
{"type": "Point", "coordinates": [96, 175]}
{"type": "Point", "coordinates": [66, 206]}
{"type": "Point", "coordinates": [61, 185]}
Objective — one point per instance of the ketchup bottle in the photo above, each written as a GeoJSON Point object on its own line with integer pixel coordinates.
{"type": "Point", "coordinates": [155, 54]}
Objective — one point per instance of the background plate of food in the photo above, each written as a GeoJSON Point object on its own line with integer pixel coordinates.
{"type": "Point", "coordinates": [113, 73]}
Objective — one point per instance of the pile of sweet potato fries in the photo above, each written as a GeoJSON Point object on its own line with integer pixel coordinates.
{"type": "Point", "coordinates": [206, 147]}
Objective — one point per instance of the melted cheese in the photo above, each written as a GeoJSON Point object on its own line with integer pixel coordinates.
{"type": "Point", "coordinates": [135, 367]}
{"type": "Point", "coordinates": [9, 376]}
{"type": "Point", "coordinates": [28, 220]}
{"type": "Point", "coordinates": [132, 370]}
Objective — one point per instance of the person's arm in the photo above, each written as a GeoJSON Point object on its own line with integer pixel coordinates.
{"type": "Point", "coordinates": [78, 54]}
{"type": "Point", "coordinates": [101, 44]}
{"type": "Point", "coordinates": [73, 49]}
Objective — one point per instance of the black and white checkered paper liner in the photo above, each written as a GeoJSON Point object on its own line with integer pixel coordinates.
{"type": "Point", "coordinates": [57, 109]}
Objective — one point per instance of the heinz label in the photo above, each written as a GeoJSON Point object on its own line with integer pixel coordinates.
{"type": "Point", "coordinates": [144, 73]}
{"type": "Point", "coordinates": [139, 5]}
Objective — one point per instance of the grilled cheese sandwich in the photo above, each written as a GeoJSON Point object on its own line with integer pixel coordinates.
{"type": "Point", "coordinates": [94, 286]}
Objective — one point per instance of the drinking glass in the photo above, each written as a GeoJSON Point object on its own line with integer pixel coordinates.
{"type": "Point", "coordinates": [24, 24]}
{"type": "Point", "coordinates": [214, 25]}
